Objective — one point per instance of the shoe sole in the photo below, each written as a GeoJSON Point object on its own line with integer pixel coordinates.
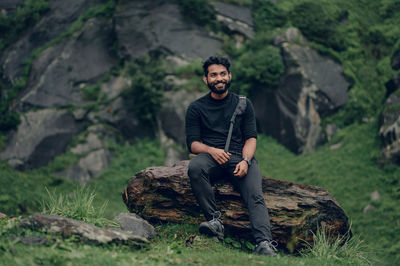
{"type": "Point", "coordinates": [209, 232]}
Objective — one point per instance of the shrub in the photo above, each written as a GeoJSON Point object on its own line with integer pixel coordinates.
{"type": "Point", "coordinates": [257, 69]}
{"type": "Point", "coordinates": [198, 11]}
{"type": "Point", "coordinates": [315, 23]}
{"type": "Point", "coordinates": [26, 15]}
{"type": "Point", "coordinates": [144, 97]}
{"type": "Point", "coordinates": [267, 15]}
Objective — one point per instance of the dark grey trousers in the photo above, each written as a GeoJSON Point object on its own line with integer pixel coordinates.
{"type": "Point", "coordinates": [203, 169]}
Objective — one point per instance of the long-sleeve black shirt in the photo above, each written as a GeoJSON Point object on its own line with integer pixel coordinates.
{"type": "Point", "coordinates": [207, 121]}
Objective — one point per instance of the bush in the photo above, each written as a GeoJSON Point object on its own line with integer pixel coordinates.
{"type": "Point", "coordinates": [267, 15]}
{"type": "Point", "coordinates": [259, 69]}
{"type": "Point", "coordinates": [315, 23]}
{"type": "Point", "coordinates": [144, 97]}
{"type": "Point", "coordinates": [198, 11]}
{"type": "Point", "coordinates": [25, 16]}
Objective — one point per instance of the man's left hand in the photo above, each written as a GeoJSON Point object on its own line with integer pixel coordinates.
{"type": "Point", "coordinates": [241, 169]}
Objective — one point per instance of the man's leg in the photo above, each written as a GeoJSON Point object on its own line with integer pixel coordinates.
{"type": "Point", "coordinates": [251, 191]}
{"type": "Point", "coordinates": [199, 173]}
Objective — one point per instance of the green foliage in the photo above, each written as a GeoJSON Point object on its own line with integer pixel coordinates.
{"type": "Point", "coordinates": [191, 75]}
{"type": "Point", "coordinates": [258, 68]}
{"type": "Point", "coordinates": [316, 24]}
{"type": "Point", "coordinates": [145, 95]}
{"type": "Point", "coordinates": [77, 205]}
{"type": "Point", "coordinates": [26, 15]}
{"type": "Point", "coordinates": [342, 249]}
{"type": "Point", "coordinates": [267, 15]}
{"type": "Point", "coordinates": [198, 11]}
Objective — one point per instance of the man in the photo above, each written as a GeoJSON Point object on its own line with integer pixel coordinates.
{"type": "Point", "coordinates": [207, 126]}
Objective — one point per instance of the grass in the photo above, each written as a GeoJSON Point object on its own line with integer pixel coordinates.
{"type": "Point", "coordinates": [350, 173]}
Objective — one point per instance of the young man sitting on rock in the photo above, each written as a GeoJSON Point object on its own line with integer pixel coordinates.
{"type": "Point", "coordinates": [207, 126]}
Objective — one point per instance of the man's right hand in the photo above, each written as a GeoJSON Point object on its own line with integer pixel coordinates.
{"type": "Point", "coordinates": [219, 155]}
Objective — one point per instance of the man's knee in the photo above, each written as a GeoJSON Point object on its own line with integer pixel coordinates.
{"type": "Point", "coordinates": [197, 167]}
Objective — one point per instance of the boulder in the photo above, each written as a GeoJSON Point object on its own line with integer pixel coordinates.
{"type": "Point", "coordinates": [56, 21]}
{"type": "Point", "coordinates": [94, 155]}
{"type": "Point", "coordinates": [40, 137]}
{"type": "Point", "coordinates": [389, 130]}
{"type": "Point", "coordinates": [171, 123]}
{"type": "Point", "coordinates": [86, 232]}
{"type": "Point", "coordinates": [236, 19]}
{"type": "Point", "coordinates": [173, 111]}
{"type": "Point", "coordinates": [313, 86]}
{"type": "Point", "coordinates": [117, 115]}
{"type": "Point", "coordinates": [159, 25]}
{"type": "Point", "coordinates": [135, 224]}
{"type": "Point", "coordinates": [61, 71]}
{"type": "Point", "coordinates": [164, 194]}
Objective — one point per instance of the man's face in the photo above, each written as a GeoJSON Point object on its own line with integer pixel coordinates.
{"type": "Point", "coordinates": [218, 79]}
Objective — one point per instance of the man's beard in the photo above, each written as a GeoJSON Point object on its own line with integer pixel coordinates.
{"type": "Point", "coordinates": [219, 91]}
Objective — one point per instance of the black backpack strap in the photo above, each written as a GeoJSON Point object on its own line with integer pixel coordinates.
{"type": "Point", "coordinates": [240, 108]}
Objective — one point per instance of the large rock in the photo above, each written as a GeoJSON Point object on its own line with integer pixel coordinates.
{"type": "Point", "coordinates": [159, 25]}
{"type": "Point", "coordinates": [236, 19]}
{"type": "Point", "coordinates": [60, 16]}
{"type": "Point", "coordinates": [389, 131]}
{"type": "Point", "coordinates": [94, 155]}
{"type": "Point", "coordinates": [61, 71]}
{"type": "Point", "coordinates": [171, 122]}
{"type": "Point", "coordinates": [40, 137]}
{"type": "Point", "coordinates": [86, 232]}
{"type": "Point", "coordinates": [313, 86]}
{"type": "Point", "coordinates": [173, 112]}
{"type": "Point", "coordinates": [116, 114]}
{"type": "Point", "coordinates": [164, 194]}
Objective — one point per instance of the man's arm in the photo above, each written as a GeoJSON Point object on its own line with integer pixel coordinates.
{"type": "Point", "coordinates": [218, 154]}
{"type": "Point", "coordinates": [248, 151]}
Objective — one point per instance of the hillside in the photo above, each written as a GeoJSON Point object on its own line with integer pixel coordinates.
{"type": "Point", "coordinates": [87, 84]}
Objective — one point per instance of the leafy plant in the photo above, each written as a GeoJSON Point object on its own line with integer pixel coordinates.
{"type": "Point", "coordinates": [267, 15]}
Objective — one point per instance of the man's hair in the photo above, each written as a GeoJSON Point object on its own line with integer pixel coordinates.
{"type": "Point", "coordinates": [215, 60]}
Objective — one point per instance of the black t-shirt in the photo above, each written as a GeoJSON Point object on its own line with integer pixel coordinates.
{"type": "Point", "coordinates": [207, 121]}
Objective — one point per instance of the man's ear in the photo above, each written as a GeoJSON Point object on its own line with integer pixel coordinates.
{"type": "Point", "coordinates": [205, 79]}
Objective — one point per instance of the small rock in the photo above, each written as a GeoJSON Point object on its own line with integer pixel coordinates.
{"type": "Point", "coordinates": [375, 196]}
{"type": "Point", "coordinates": [335, 146]}
{"type": "Point", "coordinates": [132, 222]}
{"type": "Point", "coordinates": [2, 215]}
{"type": "Point", "coordinates": [369, 208]}
{"type": "Point", "coordinates": [330, 130]}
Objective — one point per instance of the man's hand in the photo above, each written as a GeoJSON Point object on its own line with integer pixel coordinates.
{"type": "Point", "coordinates": [219, 155]}
{"type": "Point", "coordinates": [241, 169]}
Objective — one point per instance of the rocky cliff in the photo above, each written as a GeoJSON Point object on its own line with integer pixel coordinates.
{"type": "Point", "coordinates": [72, 98]}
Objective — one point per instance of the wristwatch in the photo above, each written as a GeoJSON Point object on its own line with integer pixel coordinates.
{"type": "Point", "coordinates": [247, 160]}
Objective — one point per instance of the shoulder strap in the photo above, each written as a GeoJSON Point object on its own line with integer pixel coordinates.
{"type": "Point", "coordinates": [240, 108]}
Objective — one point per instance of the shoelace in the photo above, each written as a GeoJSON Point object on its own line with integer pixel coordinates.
{"type": "Point", "coordinates": [272, 244]}
{"type": "Point", "coordinates": [216, 217]}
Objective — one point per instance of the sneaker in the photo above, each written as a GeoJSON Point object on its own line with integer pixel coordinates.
{"type": "Point", "coordinates": [213, 227]}
{"type": "Point", "coordinates": [267, 248]}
